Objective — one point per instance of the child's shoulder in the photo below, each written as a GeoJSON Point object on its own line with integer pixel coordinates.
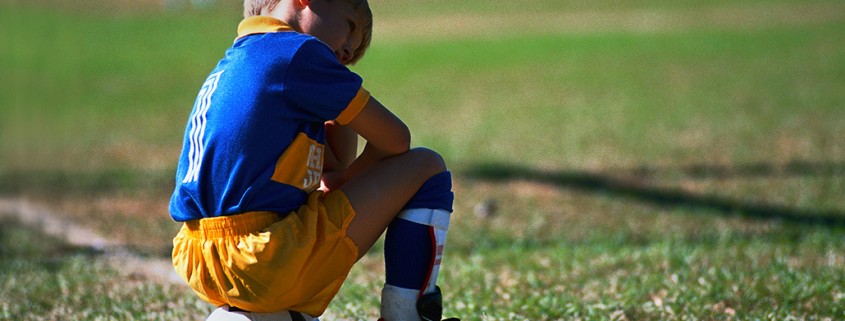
{"type": "Point", "coordinates": [285, 44]}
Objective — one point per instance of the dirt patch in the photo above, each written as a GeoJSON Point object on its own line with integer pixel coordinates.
{"type": "Point", "coordinates": [112, 6]}
{"type": "Point", "coordinates": [461, 25]}
{"type": "Point", "coordinates": [56, 225]}
{"type": "Point", "coordinates": [130, 7]}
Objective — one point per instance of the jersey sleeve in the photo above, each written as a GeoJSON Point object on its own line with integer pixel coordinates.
{"type": "Point", "coordinates": [321, 88]}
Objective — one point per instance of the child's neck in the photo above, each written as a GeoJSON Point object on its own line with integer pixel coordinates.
{"type": "Point", "coordinates": [286, 13]}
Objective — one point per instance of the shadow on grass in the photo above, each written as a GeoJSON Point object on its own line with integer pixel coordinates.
{"type": "Point", "coordinates": [668, 198]}
{"type": "Point", "coordinates": [752, 170]}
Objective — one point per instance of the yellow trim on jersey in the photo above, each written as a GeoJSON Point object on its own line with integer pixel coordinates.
{"type": "Point", "coordinates": [265, 24]}
{"type": "Point", "coordinates": [261, 24]}
{"type": "Point", "coordinates": [355, 106]}
{"type": "Point", "coordinates": [301, 165]}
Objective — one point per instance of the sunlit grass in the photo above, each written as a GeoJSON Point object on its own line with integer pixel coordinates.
{"type": "Point", "coordinates": [691, 174]}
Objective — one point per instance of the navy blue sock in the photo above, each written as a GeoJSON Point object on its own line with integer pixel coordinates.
{"type": "Point", "coordinates": [410, 248]}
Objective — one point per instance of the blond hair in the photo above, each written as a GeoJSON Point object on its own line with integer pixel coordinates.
{"type": "Point", "coordinates": [254, 8]}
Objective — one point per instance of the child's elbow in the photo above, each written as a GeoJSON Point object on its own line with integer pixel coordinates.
{"type": "Point", "coordinates": [401, 142]}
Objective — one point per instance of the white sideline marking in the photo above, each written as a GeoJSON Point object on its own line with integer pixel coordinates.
{"type": "Point", "coordinates": [119, 257]}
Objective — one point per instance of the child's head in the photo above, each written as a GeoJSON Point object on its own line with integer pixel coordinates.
{"type": "Point", "coordinates": [345, 25]}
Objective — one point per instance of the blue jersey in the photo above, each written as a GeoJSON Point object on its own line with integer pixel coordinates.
{"type": "Point", "coordinates": [255, 138]}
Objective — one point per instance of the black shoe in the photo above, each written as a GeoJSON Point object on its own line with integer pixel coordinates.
{"type": "Point", "coordinates": [430, 306]}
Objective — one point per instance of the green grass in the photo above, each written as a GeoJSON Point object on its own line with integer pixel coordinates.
{"type": "Point", "coordinates": [610, 93]}
{"type": "Point", "coordinates": [678, 174]}
{"type": "Point", "coordinates": [43, 279]}
{"type": "Point", "coordinates": [400, 8]}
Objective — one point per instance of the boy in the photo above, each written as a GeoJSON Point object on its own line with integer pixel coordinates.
{"type": "Point", "coordinates": [276, 206]}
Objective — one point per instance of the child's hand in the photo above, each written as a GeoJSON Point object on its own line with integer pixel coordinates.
{"type": "Point", "coordinates": [332, 180]}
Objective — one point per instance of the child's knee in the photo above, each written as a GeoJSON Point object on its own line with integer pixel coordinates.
{"type": "Point", "coordinates": [429, 160]}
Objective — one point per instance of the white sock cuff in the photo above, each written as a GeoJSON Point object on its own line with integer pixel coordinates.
{"type": "Point", "coordinates": [400, 292]}
{"type": "Point", "coordinates": [399, 303]}
{"type": "Point", "coordinates": [427, 216]}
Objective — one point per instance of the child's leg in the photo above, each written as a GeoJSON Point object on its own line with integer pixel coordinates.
{"type": "Point", "coordinates": [415, 236]}
{"type": "Point", "coordinates": [413, 248]}
{"type": "Point", "coordinates": [380, 192]}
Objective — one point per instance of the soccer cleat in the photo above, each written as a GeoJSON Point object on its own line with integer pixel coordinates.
{"type": "Point", "coordinates": [430, 306]}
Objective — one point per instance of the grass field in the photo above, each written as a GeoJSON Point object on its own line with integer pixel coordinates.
{"type": "Point", "coordinates": [649, 160]}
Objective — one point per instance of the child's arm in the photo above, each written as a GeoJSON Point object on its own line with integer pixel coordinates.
{"type": "Point", "coordinates": [386, 136]}
{"type": "Point", "coordinates": [341, 147]}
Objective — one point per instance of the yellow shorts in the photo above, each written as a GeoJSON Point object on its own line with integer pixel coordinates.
{"type": "Point", "coordinates": [261, 263]}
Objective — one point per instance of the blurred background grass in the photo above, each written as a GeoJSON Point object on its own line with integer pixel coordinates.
{"type": "Point", "coordinates": [635, 160]}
